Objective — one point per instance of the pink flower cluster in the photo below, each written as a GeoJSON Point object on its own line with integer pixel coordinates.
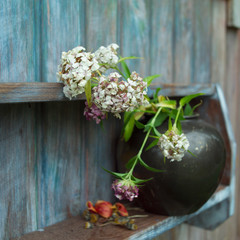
{"type": "Point", "coordinates": [93, 113]}
{"type": "Point", "coordinates": [125, 190]}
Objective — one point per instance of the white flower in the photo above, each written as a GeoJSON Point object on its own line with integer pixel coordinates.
{"type": "Point", "coordinates": [76, 68]}
{"type": "Point", "coordinates": [107, 56]}
{"type": "Point", "coordinates": [173, 146]}
{"type": "Point", "coordinates": [115, 96]}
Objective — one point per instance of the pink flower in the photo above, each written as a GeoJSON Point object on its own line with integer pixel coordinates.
{"type": "Point", "coordinates": [125, 189]}
{"type": "Point", "coordinates": [94, 113]}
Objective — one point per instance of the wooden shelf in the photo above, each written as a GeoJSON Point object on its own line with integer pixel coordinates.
{"type": "Point", "coordinates": [33, 92]}
{"type": "Point", "coordinates": [50, 91]}
{"type": "Point", "coordinates": [148, 228]}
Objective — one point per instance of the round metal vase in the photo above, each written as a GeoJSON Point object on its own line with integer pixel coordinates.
{"type": "Point", "coordinates": [186, 185]}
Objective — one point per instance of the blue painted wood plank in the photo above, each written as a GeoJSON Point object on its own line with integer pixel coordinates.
{"type": "Point", "coordinates": [134, 26]}
{"type": "Point", "coordinates": [101, 23]}
{"type": "Point", "coordinates": [62, 29]}
{"type": "Point", "coordinates": [218, 38]}
{"type": "Point", "coordinates": [161, 42]}
{"type": "Point", "coordinates": [202, 41]}
{"type": "Point", "coordinates": [17, 176]}
{"type": "Point", "coordinates": [18, 43]}
{"type": "Point", "coordinates": [234, 13]}
{"type": "Point", "coordinates": [183, 41]}
{"type": "Point", "coordinates": [101, 30]}
{"type": "Point", "coordinates": [69, 160]}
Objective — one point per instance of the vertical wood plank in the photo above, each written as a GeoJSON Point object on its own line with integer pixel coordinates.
{"type": "Point", "coordinates": [69, 161]}
{"type": "Point", "coordinates": [161, 40]}
{"type": "Point", "coordinates": [18, 43]}
{"type": "Point", "coordinates": [101, 30]}
{"type": "Point", "coordinates": [184, 42]}
{"type": "Point", "coordinates": [234, 13]}
{"type": "Point", "coordinates": [101, 23]}
{"type": "Point", "coordinates": [58, 159]}
{"type": "Point", "coordinates": [62, 29]}
{"type": "Point", "coordinates": [17, 176]}
{"type": "Point", "coordinates": [202, 41]}
{"type": "Point", "coordinates": [218, 53]}
{"type": "Point", "coordinates": [135, 26]}
{"type": "Point", "coordinates": [232, 91]}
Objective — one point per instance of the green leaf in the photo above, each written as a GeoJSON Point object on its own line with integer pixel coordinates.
{"type": "Point", "coordinates": [197, 105]}
{"type": "Point", "coordinates": [127, 58]}
{"type": "Point", "coordinates": [188, 98]}
{"type": "Point", "coordinates": [140, 181]}
{"type": "Point", "coordinates": [191, 153]}
{"type": "Point", "coordinates": [127, 116]}
{"type": "Point", "coordinates": [147, 127]}
{"type": "Point", "coordinates": [149, 79]}
{"type": "Point", "coordinates": [139, 125]}
{"type": "Point", "coordinates": [160, 119]}
{"type": "Point", "coordinates": [139, 112]}
{"type": "Point", "coordinates": [128, 129]}
{"type": "Point", "coordinates": [148, 167]}
{"type": "Point", "coordinates": [170, 123]}
{"type": "Point", "coordinates": [88, 93]}
{"type": "Point", "coordinates": [152, 144]}
{"type": "Point", "coordinates": [187, 110]}
{"type": "Point", "coordinates": [156, 132]}
{"type": "Point", "coordinates": [173, 115]}
{"type": "Point", "coordinates": [155, 95]}
{"type": "Point", "coordinates": [167, 103]}
{"type": "Point", "coordinates": [115, 174]}
{"type": "Point", "coordinates": [125, 69]}
{"type": "Point", "coordinates": [179, 127]}
{"type": "Point", "coordinates": [130, 162]}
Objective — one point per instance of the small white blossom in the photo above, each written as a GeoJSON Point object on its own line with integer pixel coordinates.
{"type": "Point", "coordinates": [107, 56]}
{"type": "Point", "coordinates": [115, 96]}
{"type": "Point", "coordinates": [173, 146]}
{"type": "Point", "coordinates": [76, 68]}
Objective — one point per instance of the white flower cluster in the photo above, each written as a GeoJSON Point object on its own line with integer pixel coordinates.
{"type": "Point", "coordinates": [112, 95]}
{"type": "Point", "coordinates": [107, 56]}
{"type": "Point", "coordinates": [76, 69]}
{"type": "Point", "coordinates": [173, 146]}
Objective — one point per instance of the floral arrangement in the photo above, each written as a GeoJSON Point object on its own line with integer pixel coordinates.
{"type": "Point", "coordinates": [110, 87]}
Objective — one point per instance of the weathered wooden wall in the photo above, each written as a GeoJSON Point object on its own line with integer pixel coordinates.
{"type": "Point", "coordinates": [50, 156]}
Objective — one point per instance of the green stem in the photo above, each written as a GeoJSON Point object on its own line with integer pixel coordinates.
{"type": "Point", "coordinates": [138, 156]}
{"type": "Point", "coordinates": [176, 119]}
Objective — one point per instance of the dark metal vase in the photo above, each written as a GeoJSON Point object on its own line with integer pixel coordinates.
{"type": "Point", "coordinates": [186, 185]}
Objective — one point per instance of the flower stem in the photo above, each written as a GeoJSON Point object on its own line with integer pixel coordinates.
{"type": "Point", "coordinates": [176, 119]}
{"type": "Point", "coordinates": [138, 156]}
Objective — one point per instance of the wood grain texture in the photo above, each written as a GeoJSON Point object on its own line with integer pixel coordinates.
{"type": "Point", "coordinates": [232, 91]}
{"type": "Point", "coordinates": [161, 39]}
{"type": "Point", "coordinates": [148, 227]}
{"type": "Point", "coordinates": [33, 92]}
{"type": "Point", "coordinates": [183, 41]}
{"type": "Point", "coordinates": [17, 176]}
{"type": "Point", "coordinates": [58, 151]}
{"type": "Point", "coordinates": [234, 13]}
{"type": "Point", "coordinates": [62, 29]}
{"type": "Point", "coordinates": [18, 42]}
{"type": "Point", "coordinates": [69, 156]}
{"type": "Point", "coordinates": [218, 52]}
{"type": "Point", "coordinates": [101, 23]}
{"type": "Point", "coordinates": [134, 32]}
{"type": "Point", "coordinates": [202, 41]}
